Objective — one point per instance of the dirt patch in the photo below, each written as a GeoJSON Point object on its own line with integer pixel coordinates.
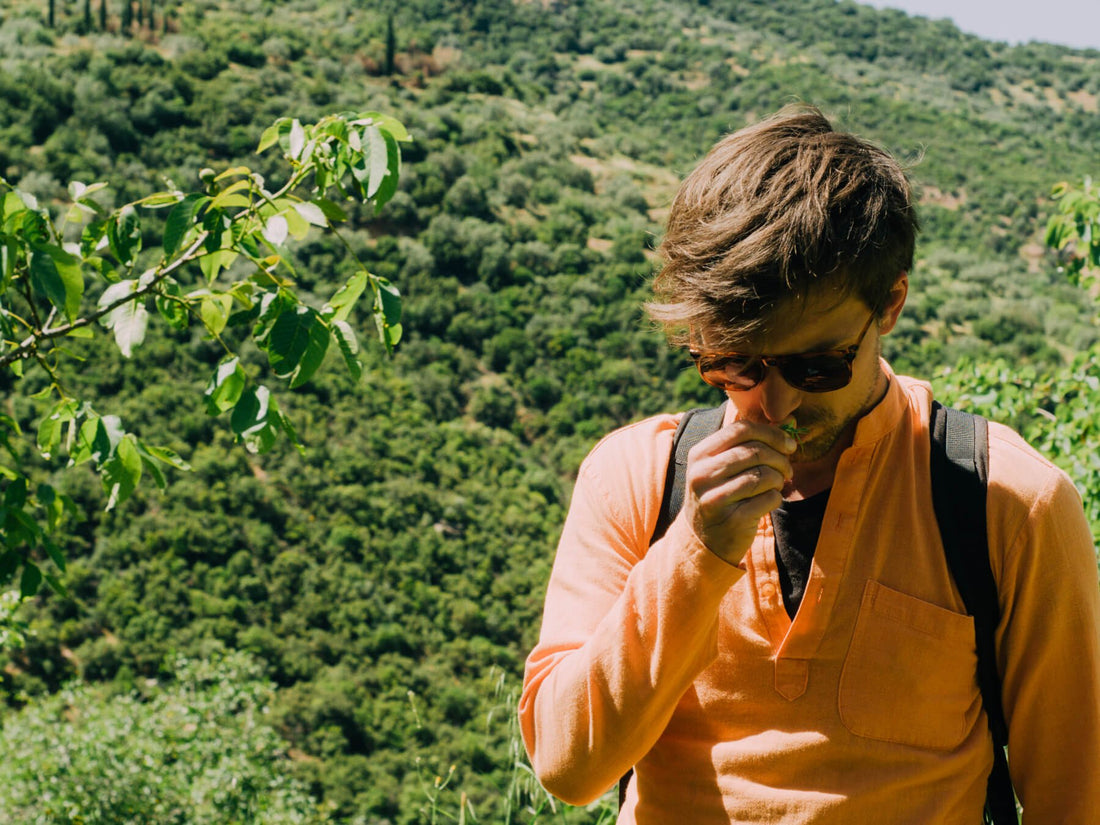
{"type": "Point", "coordinates": [946, 200]}
{"type": "Point", "coordinates": [1086, 100]}
{"type": "Point", "coordinates": [1033, 253]}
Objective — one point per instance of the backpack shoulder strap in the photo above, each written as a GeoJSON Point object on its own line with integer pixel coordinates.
{"type": "Point", "coordinates": [960, 476]}
{"type": "Point", "coordinates": [695, 425]}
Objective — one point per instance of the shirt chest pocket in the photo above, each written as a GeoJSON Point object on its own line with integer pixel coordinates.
{"type": "Point", "coordinates": [910, 674]}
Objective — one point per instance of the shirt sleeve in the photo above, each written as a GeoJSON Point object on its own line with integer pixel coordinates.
{"type": "Point", "coordinates": [1049, 651]}
{"type": "Point", "coordinates": [626, 627]}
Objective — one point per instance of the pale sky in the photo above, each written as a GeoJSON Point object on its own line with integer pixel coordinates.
{"type": "Point", "coordinates": [1067, 22]}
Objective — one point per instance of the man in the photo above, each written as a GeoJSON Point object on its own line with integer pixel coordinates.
{"type": "Point", "coordinates": [794, 649]}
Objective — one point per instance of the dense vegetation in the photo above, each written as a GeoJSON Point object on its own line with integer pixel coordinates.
{"type": "Point", "coordinates": [388, 581]}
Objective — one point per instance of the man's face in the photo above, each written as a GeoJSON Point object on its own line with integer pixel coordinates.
{"type": "Point", "coordinates": [825, 420]}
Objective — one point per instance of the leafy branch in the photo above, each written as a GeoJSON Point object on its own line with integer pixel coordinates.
{"type": "Point", "coordinates": [220, 261]}
{"type": "Point", "coordinates": [1074, 231]}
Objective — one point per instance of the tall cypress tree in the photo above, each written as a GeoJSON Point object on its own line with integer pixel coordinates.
{"type": "Point", "coordinates": [127, 16]}
{"type": "Point", "coordinates": [391, 45]}
{"type": "Point", "coordinates": [103, 15]}
{"type": "Point", "coordinates": [51, 19]}
{"type": "Point", "coordinates": [87, 16]}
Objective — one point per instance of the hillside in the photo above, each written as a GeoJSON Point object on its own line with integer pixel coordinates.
{"type": "Point", "coordinates": [389, 581]}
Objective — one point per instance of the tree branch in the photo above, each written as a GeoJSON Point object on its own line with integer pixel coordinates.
{"type": "Point", "coordinates": [31, 342]}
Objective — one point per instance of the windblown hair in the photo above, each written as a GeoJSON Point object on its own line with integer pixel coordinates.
{"type": "Point", "coordinates": [773, 212]}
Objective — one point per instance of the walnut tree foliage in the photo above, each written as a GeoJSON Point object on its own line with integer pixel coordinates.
{"type": "Point", "coordinates": [1053, 408]}
{"type": "Point", "coordinates": [81, 271]}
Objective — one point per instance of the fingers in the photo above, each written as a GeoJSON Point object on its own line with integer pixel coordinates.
{"type": "Point", "coordinates": [736, 449]}
{"type": "Point", "coordinates": [733, 478]}
{"type": "Point", "coordinates": [740, 432]}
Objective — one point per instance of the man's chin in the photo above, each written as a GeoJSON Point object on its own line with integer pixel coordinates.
{"type": "Point", "coordinates": [814, 447]}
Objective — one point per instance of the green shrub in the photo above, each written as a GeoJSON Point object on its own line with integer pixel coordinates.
{"type": "Point", "coordinates": [195, 750]}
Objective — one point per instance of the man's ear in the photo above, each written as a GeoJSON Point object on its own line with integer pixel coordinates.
{"type": "Point", "coordinates": [894, 302]}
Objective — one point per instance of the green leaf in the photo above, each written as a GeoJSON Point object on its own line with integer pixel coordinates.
{"type": "Point", "coordinates": [180, 220]}
{"type": "Point", "coordinates": [56, 586]}
{"type": "Point", "coordinates": [296, 344]}
{"type": "Point", "coordinates": [344, 300]}
{"type": "Point", "coordinates": [390, 334]}
{"type": "Point", "coordinates": [56, 275]}
{"type": "Point", "coordinates": [167, 456]}
{"type": "Point", "coordinates": [158, 200]}
{"type": "Point", "coordinates": [349, 347]}
{"type": "Point", "coordinates": [275, 230]}
{"type": "Point", "coordinates": [124, 235]}
{"type": "Point", "coordinates": [234, 172]}
{"type": "Point", "coordinates": [269, 138]}
{"type": "Point", "coordinates": [15, 496]}
{"type": "Point", "coordinates": [376, 156]}
{"type": "Point", "coordinates": [55, 554]}
{"type": "Point", "coordinates": [96, 439]}
{"type": "Point", "coordinates": [170, 305]}
{"type": "Point", "coordinates": [291, 433]}
{"type": "Point", "coordinates": [390, 300]}
{"type": "Point", "coordinates": [388, 185]}
{"type": "Point", "coordinates": [91, 236]}
{"type": "Point", "coordinates": [297, 139]}
{"type": "Point", "coordinates": [255, 419]}
{"type": "Point", "coordinates": [9, 563]}
{"type": "Point", "coordinates": [129, 320]}
{"type": "Point", "coordinates": [49, 436]}
{"type": "Point", "coordinates": [214, 310]}
{"type": "Point", "coordinates": [389, 124]}
{"type": "Point", "coordinates": [225, 386]}
{"type": "Point", "coordinates": [53, 505]}
{"type": "Point", "coordinates": [121, 472]}
{"type": "Point", "coordinates": [230, 197]}
{"type": "Point", "coordinates": [312, 213]}
{"type": "Point", "coordinates": [10, 423]}
{"type": "Point", "coordinates": [296, 224]}
{"type": "Point", "coordinates": [214, 262]}
{"type": "Point", "coordinates": [333, 211]}
{"type": "Point", "coordinates": [30, 580]}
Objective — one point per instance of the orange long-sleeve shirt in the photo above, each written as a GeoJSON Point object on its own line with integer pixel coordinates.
{"type": "Point", "coordinates": [863, 709]}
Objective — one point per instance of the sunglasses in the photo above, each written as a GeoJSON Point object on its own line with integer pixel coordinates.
{"type": "Point", "coordinates": [823, 371]}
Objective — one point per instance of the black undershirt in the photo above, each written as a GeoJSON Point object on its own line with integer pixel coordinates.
{"type": "Point", "coordinates": [797, 527]}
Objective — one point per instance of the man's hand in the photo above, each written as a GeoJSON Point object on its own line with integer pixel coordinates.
{"type": "Point", "coordinates": [733, 478]}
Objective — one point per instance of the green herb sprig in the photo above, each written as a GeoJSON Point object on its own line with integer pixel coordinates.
{"type": "Point", "coordinates": [794, 432]}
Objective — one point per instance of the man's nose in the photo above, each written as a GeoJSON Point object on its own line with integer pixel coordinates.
{"type": "Point", "coordinates": [778, 399]}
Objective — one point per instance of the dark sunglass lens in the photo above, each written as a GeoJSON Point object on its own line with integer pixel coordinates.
{"type": "Point", "coordinates": [817, 374]}
{"type": "Point", "coordinates": [731, 373]}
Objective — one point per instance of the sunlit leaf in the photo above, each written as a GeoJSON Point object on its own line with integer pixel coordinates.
{"type": "Point", "coordinates": [214, 311]}
{"type": "Point", "coordinates": [121, 472]}
{"type": "Point", "coordinates": [276, 230]}
{"type": "Point", "coordinates": [256, 420]}
{"type": "Point", "coordinates": [344, 300]}
{"type": "Point", "coordinates": [312, 213]}
{"type": "Point", "coordinates": [297, 139]}
{"type": "Point", "coordinates": [225, 386]}
{"type": "Point", "coordinates": [124, 235]}
{"type": "Point", "coordinates": [349, 347]}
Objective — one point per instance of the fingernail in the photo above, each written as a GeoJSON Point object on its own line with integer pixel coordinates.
{"type": "Point", "coordinates": [790, 444]}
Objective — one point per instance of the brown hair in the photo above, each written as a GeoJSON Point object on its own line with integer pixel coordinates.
{"type": "Point", "coordinates": [774, 211]}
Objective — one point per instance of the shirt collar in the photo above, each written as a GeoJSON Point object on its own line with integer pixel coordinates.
{"type": "Point", "coordinates": [884, 416]}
